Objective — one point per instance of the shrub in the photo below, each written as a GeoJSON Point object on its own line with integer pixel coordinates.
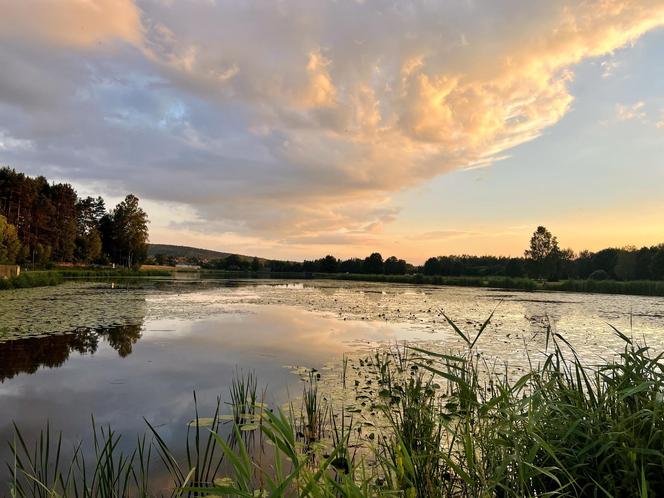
{"type": "Point", "coordinates": [598, 275]}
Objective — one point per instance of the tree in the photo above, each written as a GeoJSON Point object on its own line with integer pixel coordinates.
{"type": "Point", "coordinates": [657, 265]}
{"type": "Point", "coordinates": [373, 264]}
{"type": "Point", "coordinates": [63, 235]}
{"type": "Point", "coordinates": [565, 267]}
{"type": "Point", "coordinates": [625, 268]}
{"type": "Point", "coordinates": [329, 264]}
{"type": "Point", "coordinates": [256, 264]}
{"type": "Point", "coordinates": [10, 245]}
{"type": "Point", "coordinates": [394, 266]}
{"type": "Point", "coordinates": [543, 254]}
{"type": "Point", "coordinates": [606, 260]}
{"type": "Point", "coordinates": [514, 267]}
{"type": "Point", "coordinates": [584, 264]}
{"type": "Point", "coordinates": [88, 246]}
{"type": "Point", "coordinates": [52, 223]}
{"type": "Point", "coordinates": [130, 232]}
{"type": "Point", "coordinates": [353, 265]}
{"type": "Point", "coordinates": [234, 262]}
{"type": "Point", "coordinates": [432, 266]}
{"type": "Point", "coordinates": [644, 263]}
{"type": "Point", "coordinates": [89, 212]}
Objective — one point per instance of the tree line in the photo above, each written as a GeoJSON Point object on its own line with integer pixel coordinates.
{"type": "Point", "coordinates": [42, 223]}
{"type": "Point", "coordinates": [372, 264]}
{"type": "Point", "coordinates": [544, 259]}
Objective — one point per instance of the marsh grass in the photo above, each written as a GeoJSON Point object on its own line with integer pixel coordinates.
{"type": "Point", "coordinates": [31, 279]}
{"type": "Point", "coordinates": [45, 472]}
{"type": "Point", "coordinates": [630, 287]}
{"type": "Point", "coordinates": [452, 426]}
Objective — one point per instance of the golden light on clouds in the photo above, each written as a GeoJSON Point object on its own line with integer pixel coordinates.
{"type": "Point", "coordinates": [307, 118]}
{"type": "Point", "coordinates": [77, 23]}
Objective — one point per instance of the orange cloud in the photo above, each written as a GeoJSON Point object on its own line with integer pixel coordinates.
{"type": "Point", "coordinates": [75, 23]}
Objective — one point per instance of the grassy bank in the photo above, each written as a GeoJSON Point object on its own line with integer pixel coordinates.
{"type": "Point", "coordinates": [43, 278]}
{"type": "Point", "coordinates": [111, 272]}
{"type": "Point", "coordinates": [404, 422]}
{"type": "Point", "coordinates": [491, 282]}
{"type": "Point", "coordinates": [636, 287]}
{"type": "Point", "coordinates": [31, 279]}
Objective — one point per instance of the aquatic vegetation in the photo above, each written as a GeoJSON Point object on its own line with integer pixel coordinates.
{"type": "Point", "coordinates": [115, 272]}
{"type": "Point", "coordinates": [525, 284]}
{"type": "Point", "coordinates": [630, 287]}
{"type": "Point", "coordinates": [46, 472]}
{"type": "Point", "coordinates": [244, 397]}
{"type": "Point", "coordinates": [70, 306]}
{"type": "Point", "coordinates": [430, 424]}
{"type": "Point", "coordinates": [31, 279]}
{"type": "Point", "coordinates": [635, 287]}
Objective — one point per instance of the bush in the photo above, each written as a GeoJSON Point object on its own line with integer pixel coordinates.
{"type": "Point", "coordinates": [598, 275]}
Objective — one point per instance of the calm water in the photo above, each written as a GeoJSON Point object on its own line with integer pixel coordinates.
{"type": "Point", "coordinates": [124, 351]}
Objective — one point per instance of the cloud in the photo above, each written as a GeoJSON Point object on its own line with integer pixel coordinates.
{"type": "Point", "coordinates": [446, 234]}
{"type": "Point", "coordinates": [609, 68]}
{"type": "Point", "coordinates": [290, 120]}
{"type": "Point", "coordinates": [71, 23]}
{"type": "Point", "coordinates": [660, 123]}
{"type": "Point", "coordinates": [631, 112]}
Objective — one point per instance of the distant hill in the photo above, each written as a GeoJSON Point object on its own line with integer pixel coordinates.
{"type": "Point", "coordinates": [169, 250]}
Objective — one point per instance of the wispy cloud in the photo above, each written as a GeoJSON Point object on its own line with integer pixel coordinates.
{"type": "Point", "coordinates": [631, 112]}
{"type": "Point", "coordinates": [446, 234]}
{"type": "Point", "coordinates": [660, 123]}
{"type": "Point", "coordinates": [609, 68]}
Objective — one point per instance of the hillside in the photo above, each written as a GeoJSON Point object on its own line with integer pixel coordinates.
{"type": "Point", "coordinates": [169, 250]}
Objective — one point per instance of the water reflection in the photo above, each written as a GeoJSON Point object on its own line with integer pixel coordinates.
{"type": "Point", "coordinates": [29, 354]}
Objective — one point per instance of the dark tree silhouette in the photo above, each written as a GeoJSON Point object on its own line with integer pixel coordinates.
{"type": "Point", "coordinates": [543, 253]}
{"type": "Point", "coordinates": [373, 264]}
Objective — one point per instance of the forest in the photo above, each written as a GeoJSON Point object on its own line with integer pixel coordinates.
{"type": "Point", "coordinates": [42, 223]}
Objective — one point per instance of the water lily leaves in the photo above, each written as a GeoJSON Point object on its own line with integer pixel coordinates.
{"type": "Point", "coordinates": [224, 481]}
{"type": "Point", "coordinates": [202, 422]}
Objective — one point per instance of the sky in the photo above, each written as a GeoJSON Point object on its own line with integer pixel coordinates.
{"type": "Point", "coordinates": [296, 129]}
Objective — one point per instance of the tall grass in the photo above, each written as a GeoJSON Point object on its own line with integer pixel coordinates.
{"type": "Point", "coordinates": [45, 472]}
{"type": "Point", "coordinates": [112, 272]}
{"type": "Point", "coordinates": [447, 425]}
{"type": "Point", "coordinates": [31, 279]}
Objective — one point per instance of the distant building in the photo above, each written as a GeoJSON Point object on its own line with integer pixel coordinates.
{"type": "Point", "coordinates": [186, 266]}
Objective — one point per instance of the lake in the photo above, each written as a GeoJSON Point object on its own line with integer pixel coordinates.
{"type": "Point", "coordinates": [128, 350]}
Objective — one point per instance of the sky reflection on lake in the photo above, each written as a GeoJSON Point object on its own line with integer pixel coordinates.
{"type": "Point", "coordinates": [152, 369]}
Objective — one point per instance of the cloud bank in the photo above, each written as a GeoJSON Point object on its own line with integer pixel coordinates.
{"type": "Point", "coordinates": [294, 121]}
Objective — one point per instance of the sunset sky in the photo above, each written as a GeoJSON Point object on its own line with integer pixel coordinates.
{"type": "Point", "coordinates": [294, 129]}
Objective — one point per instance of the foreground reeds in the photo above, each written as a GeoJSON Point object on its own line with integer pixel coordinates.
{"type": "Point", "coordinates": [433, 425]}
